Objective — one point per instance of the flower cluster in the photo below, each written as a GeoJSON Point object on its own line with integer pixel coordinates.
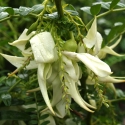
{"type": "Point", "coordinates": [60, 69]}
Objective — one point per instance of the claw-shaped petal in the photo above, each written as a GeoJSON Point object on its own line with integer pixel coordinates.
{"type": "Point", "coordinates": [42, 75]}
{"type": "Point", "coordinates": [99, 67]}
{"type": "Point", "coordinates": [73, 91]}
{"type": "Point", "coordinates": [22, 41]}
{"type": "Point", "coordinates": [91, 37]}
{"type": "Point", "coordinates": [19, 61]}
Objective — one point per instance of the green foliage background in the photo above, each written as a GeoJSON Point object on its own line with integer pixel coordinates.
{"type": "Point", "coordinates": [11, 29]}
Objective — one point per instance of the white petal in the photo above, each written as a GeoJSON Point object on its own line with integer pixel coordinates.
{"type": "Point", "coordinates": [70, 69]}
{"type": "Point", "coordinates": [110, 79]}
{"type": "Point", "coordinates": [61, 109]}
{"type": "Point", "coordinates": [111, 86]}
{"type": "Point", "coordinates": [75, 94]}
{"type": "Point", "coordinates": [116, 43]}
{"type": "Point", "coordinates": [43, 47]}
{"type": "Point", "coordinates": [108, 50]}
{"type": "Point", "coordinates": [91, 37]}
{"type": "Point", "coordinates": [19, 61]}
{"type": "Point", "coordinates": [99, 67]}
{"type": "Point", "coordinates": [57, 91]}
{"type": "Point", "coordinates": [92, 102]}
{"type": "Point", "coordinates": [42, 84]}
{"type": "Point", "coordinates": [22, 41]}
{"type": "Point", "coordinates": [98, 43]}
{"type": "Point", "coordinates": [23, 36]}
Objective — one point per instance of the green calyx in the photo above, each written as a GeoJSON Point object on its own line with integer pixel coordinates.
{"type": "Point", "coordinates": [33, 27]}
{"type": "Point", "coordinates": [70, 45]}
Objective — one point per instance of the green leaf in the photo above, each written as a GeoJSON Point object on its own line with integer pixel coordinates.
{"type": "Point", "coordinates": [33, 122]}
{"type": "Point", "coordinates": [3, 8]}
{"type": "Point", "coordinates": [105, 5]}
{"type": "Point", "coordinates": [120, 93]}
{"type": "Point", "coordinates": [44, 116]}
{"type": "Point", "coordinates": [3, 15]}
{"type": "Point", "coordinates": [121, 4]}
{"type": "Point", "coordinates": [70, 7]}
{"type": "Point", "coordinates": [30, 109]}
{"type": "Point", "coordinates": [95, 9]}
{"type": "Point", "coordinates": [72, 12]}
{"type": "Point", "coordinates": [116, 30]}
{"type": "Point", "coordinates": [25, 10]}
{"type": "Point", "coordinates": [86, 9]}
{"type": "Point", "coordinates": [6, 98]}
{"type": "Point", "coordinates": [10, 11]}
{"type": "Point", "coordinates": [16, 10]}
{"type": "Point", "coordinates": [37, 8]}
{"type": "Point", "coordinates": [13, 115]}
{"type": "Point", "coordinates": [4, 89]}
{"type": "Point", "coordinates": [45, 123]}
{"type": "Point", "coordinates": [52, 15]}
{"type": "Point", "coordinates": [113, 3]}
{"type": "Point", "coordinates": [2, 79]}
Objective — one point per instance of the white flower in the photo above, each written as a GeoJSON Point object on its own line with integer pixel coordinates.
{"type": "Point", "coordinates": [99, 67]}
{"type": "Point", "coordinates": [71, 80]}
{"type": "Point", "coordinates": [39, 46]}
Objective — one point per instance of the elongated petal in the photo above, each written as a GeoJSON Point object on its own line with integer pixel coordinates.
{"type": "Point", "coordinates": [22, 41]}
{"type": "Point", "coordinates": [91, 37]}
{"type": "Point", "coordinates": [61, 109]}
{"type": "Point", "coordinates": [110, 79]}
{"type": "Point", "coordinates": [43, 47]}
{"type": "Point", "coordinates": [57, 91]}
{"type": "Point", "coordinates": [42, 84]}
{"type": "Point", "coordinates": [93, 102]}
{"type": "Point", "coordinates": [19, 61]}
{"type": "Point", "coordinates": [116, 43]}
{"type": "Point", "coordinates": [98, 43]}
{"type": "Point", "coordinates": [108, 50]}
{"type": "Point", "coordinates": [75, 95]}
{"type": "Point", "coordinates": [111, 86]}
{"type": "Point", "coordinates": [99, 67]}
{"type": "Point", "coordinates": [70, 69]}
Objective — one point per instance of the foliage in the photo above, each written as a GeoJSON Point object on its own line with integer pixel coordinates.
{"type": "Point", "coordinates": [21, 101]}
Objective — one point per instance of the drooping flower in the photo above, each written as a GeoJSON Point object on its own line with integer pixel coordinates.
{"type": "Point", "coordinates": [45, 57]}
{"type": "Point", "coordinates": [43, 51]}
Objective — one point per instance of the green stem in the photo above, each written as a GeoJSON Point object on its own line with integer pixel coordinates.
{"type": "Point", "coordinates": [59, 8]}
{"type": "Point", "coordinates": [89, 119]}
{"type": "Point", "coordinates": [12, 87]}
{"type": "Point", "coordinates": [116, 100]}
{"type": "Point", "coordinates": [37, 107]}
{"type": "Point", "coordinates": [12, 28]}
{"type": "Point", "coordinates": [7, 18]}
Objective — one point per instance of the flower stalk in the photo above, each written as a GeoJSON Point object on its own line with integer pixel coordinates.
{"type": "Point", "coordinates": [59, 8]}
